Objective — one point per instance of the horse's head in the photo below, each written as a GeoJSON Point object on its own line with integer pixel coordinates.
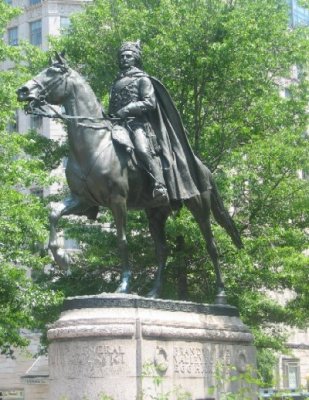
{"type": "Point", "coordinates": [50, 86]}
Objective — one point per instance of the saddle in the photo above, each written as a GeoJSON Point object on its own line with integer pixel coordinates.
{"type": "Point", "coordinates": [121, 136]}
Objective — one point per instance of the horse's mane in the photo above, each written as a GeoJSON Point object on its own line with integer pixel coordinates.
{"type": "Point", "coordinates": [81, 80]}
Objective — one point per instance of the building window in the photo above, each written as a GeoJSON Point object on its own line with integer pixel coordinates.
{"type": "Point", "coordinates": [299, 16]}
{"type": "Point", "coordinates": [305, 174]}
{"type": "Point", "coordinates": [13, 124]}
{"type": "Point", "coordinates": [13, 36]}
{"type": "Point", "coordinates": [291, 373]}
{"type": "Point", "coordinates": [36, 122]}
{"type": "Point", "coordinates": [64, 24]}
{"type": "Point", "coordinates": [31, 2]}
{"type": "Point", "coordinates": [36, 33]}
{"type": "Point", "coordinates": [11, 395]}
{"type": "Point", "coordinates": [286, 93]}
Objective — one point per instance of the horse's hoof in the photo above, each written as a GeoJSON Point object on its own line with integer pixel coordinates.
{"type": "Point", "coordinates": [124, 286]}
{"type": "Point", "coordinates": [153, 294]}
{"type": "Point", "coordinates": [221, 298]}
{"type": "Point", "coordinates": [122, 289]}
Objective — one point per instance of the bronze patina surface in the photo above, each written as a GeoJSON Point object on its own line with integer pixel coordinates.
{"type": "Point", "coordinates": [153, 168]}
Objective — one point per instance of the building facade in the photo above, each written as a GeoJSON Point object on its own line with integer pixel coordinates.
{"type": "Point", "coordinates": [24, 377]}
{"type": "Point", "coordinates": [299, 16]}
{"type": "Point", "coordinates": [292, 369]}
{"type": "Point", "coordinates": [39, 20]}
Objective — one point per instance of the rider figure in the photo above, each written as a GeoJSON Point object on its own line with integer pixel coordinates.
{"type": "Point", "coordinates": [133, 98]}
{"type": "Point", "coordinates": [156, 128]}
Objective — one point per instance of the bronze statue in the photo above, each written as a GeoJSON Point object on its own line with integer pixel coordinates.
{"type": "Point", "coordinates": [156, 128]}
{"type": "Point", "coordinates": [100, 171]}
{"type": "Point", "coordinates": [133, 99]}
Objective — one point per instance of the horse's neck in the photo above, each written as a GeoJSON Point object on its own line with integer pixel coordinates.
{"type": "Point", "coordinates": [81, 101]}
{"type": "Point", "coordinates": [86, 137]}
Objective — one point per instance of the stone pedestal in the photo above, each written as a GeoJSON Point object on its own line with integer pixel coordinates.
{"type": "Point", "coordinates": [126, 347]}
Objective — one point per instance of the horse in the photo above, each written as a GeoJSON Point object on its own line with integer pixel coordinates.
{"type": "Point", "coordinates": [98, 174]}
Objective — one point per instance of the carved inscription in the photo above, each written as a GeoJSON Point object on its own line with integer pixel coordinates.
{"type": "Point", "coordinates": [193, 361]}
{"type": "Point", "coordinates": [200, 361]}
{"type": "Point", "coordinates": [87, 360]}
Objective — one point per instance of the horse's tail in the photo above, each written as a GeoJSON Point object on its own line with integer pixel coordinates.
{"type": "Point", "coordinates": [223, 217]}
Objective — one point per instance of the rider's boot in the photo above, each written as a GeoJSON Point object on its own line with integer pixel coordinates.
{"type": "Point", "coordinates": [159, 191]}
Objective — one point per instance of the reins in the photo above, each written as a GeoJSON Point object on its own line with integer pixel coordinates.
{"type": "Point", "coordinates": [35, 107]}
{"type": "Point", "coordinates": [38, 106]}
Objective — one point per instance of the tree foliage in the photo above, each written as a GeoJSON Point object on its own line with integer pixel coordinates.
{"type": "Point", "coordinates": [23, 303]}
{"type": "Point", "coordinates": [225, 64]}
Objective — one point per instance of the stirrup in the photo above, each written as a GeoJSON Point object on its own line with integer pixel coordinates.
{"type": "Point", "coordinates": [159, 191]}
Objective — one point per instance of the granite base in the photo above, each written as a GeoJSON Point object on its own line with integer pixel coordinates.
{"type": "Point", "coordinates": [126, 347]}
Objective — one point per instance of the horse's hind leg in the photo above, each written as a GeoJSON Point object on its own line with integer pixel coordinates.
{"type": "Point", "coordinates": [200, 209]}
{"type": "Point", "coordinates": [119, 210]}
{"type": "Point", "coordinates": [157, 218]}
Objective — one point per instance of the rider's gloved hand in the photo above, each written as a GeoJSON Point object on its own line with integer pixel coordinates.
{"type": "Point", "coordinates": [122, 113]}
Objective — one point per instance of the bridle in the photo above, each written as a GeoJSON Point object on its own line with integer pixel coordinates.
{"type": "Point", "coordinates": [40, 107]}
{"type": "Point", "coordinates": [46, 90]}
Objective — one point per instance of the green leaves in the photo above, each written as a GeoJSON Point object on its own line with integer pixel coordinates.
{"type": "Point", "coordinates": [23, 217]}
{"type": "Point", "coordinates": [226, 65]}
{"type": "Point", "coordinates": [22, 234]}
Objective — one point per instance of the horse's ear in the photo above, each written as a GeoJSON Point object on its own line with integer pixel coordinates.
{"type": "Point", "coordinates": [50, 61]}
{"type": "Point", "coordinates": [60, 58]}
{"type": "Point", "coordinates": [62, 54]}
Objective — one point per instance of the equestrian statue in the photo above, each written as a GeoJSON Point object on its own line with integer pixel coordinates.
{"type": "Point", "coordinates": [137, 156]}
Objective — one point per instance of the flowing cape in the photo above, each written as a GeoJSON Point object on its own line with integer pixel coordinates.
{"type": "Point", "coordinates": [185, 175]}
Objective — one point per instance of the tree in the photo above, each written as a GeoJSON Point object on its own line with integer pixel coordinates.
{"type": "Point", "coordinates": [222, 62]}
{"type": "Point", "coordinates": [23, 303]}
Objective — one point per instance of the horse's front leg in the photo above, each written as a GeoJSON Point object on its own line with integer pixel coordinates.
{"type": "Point", "coordinates": [119, 210]}
{"type": "Point", "coordinates": [62, 259]}
{"type": "Point", "coordinates": [70, 205]}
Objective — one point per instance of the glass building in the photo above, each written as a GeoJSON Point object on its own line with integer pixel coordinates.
{"type": "Point", "coordinates": [299, 15]}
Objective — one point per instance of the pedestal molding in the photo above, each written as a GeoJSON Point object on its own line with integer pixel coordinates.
{"type": "Point", "coordinates": [121, 345]}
